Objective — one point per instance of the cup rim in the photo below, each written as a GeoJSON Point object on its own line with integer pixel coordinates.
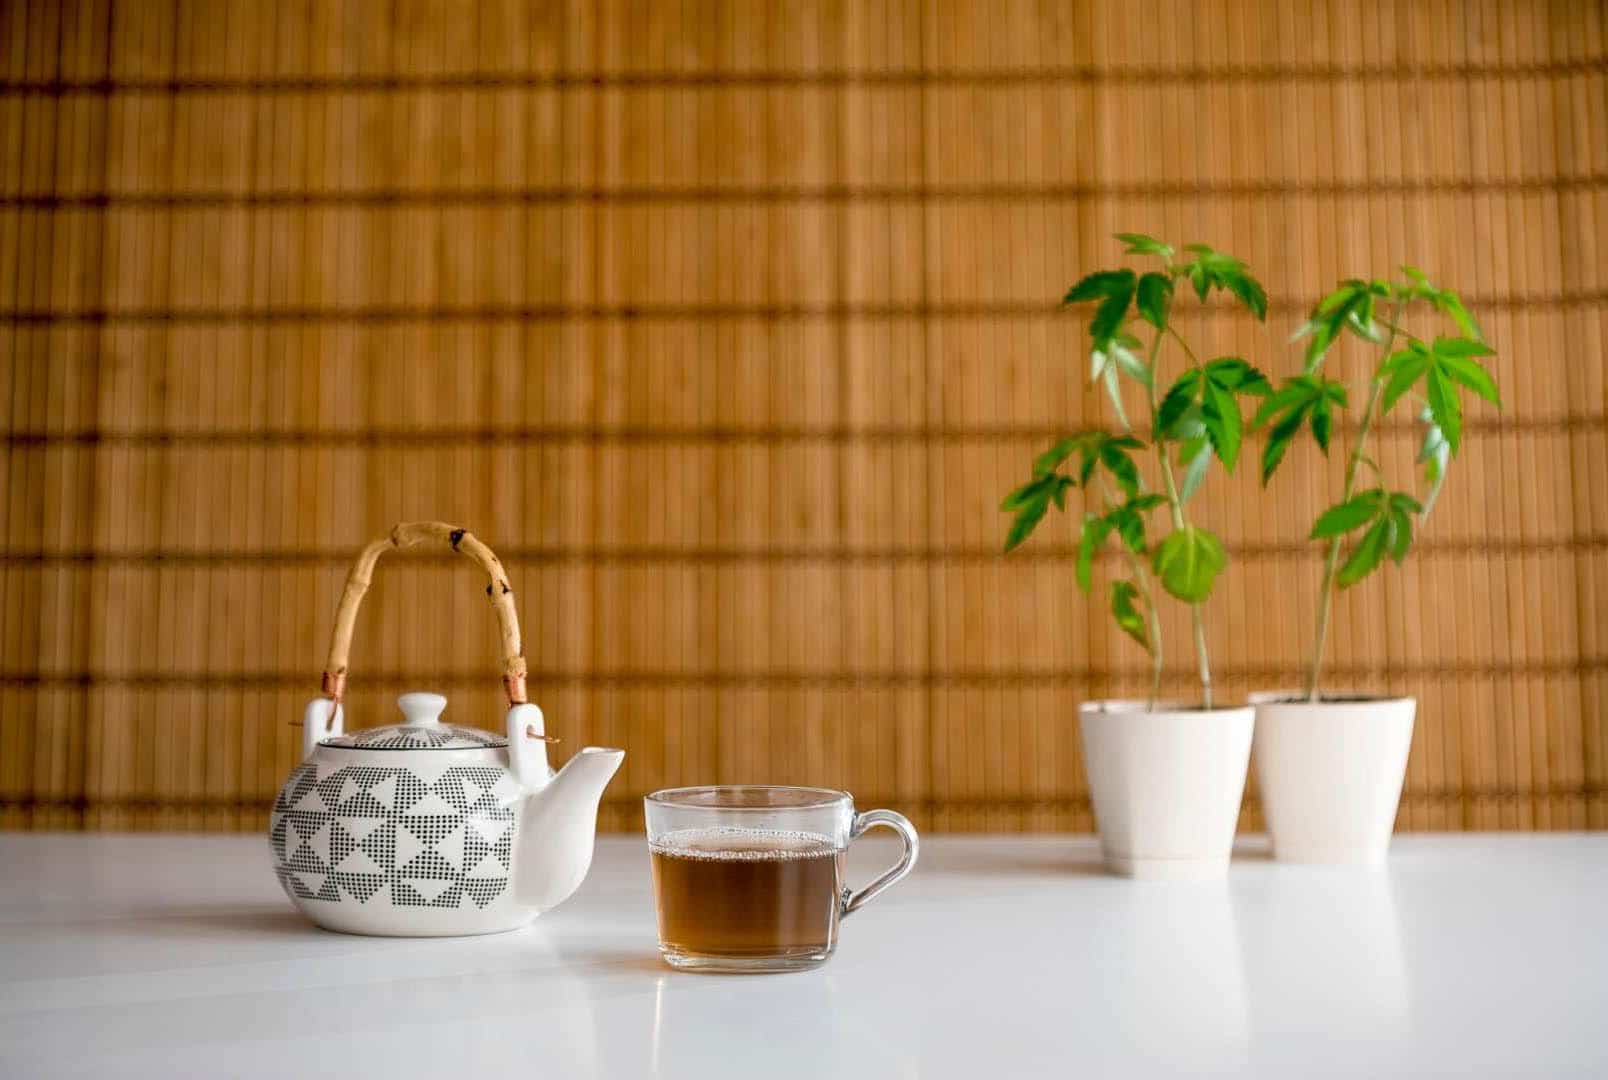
{"type": "Point", "coordinates": [682, 797]}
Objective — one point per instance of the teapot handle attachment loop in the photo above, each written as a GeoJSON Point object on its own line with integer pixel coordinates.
{"type": "Point", "coordinates": [404, 535]}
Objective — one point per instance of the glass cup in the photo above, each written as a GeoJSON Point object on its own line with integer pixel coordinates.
{"type": "Point", "coordinates": [750, 878]}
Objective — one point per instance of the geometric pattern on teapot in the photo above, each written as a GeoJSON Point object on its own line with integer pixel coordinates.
{"type": "Point", "coordinates": [418, 737]}
{"type": "Point", "coordinates": [365, 832]}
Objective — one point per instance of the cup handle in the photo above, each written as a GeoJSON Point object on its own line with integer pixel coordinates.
{"type": "Point", "coordinates": [912, 846]}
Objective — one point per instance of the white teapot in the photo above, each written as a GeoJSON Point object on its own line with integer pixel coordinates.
{"type": "Point", "coordinates": [425, 828]}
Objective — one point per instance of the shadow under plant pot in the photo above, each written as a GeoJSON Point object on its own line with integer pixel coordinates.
{"type": "Point", "coordinates": [1330, 773]}
{"type": "Point", "coordinates": [1166, 785]}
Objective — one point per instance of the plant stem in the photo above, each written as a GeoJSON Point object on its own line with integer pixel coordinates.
{"type": "Point", "coordinates": [1153, 624]}
{"type": "Point", "coordinates": [1182, 344]}
{"type": "Point", "coordinates": [1179, 521]}
{"type": "Point", "coordinates": [1152, 616]}
{"type": "Point", "coordinates": [1331, 561]}
{"type": "Point", "coordinates": [1390, 324]}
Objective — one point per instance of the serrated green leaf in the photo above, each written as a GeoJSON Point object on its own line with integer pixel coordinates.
{"type": "Point", "coordinates": [1233, 373]}
{"type": "Point", "coordinates": [1400, 535]}
{"type": "Point", "coordinates": [1404, 375]}
{"type": "Point", "coordinates": [1362, 325]}
{"type": "Point", "coordinates": [1433, 439]}
{"type": "Point", "coordinates": [1364, 558]}
{"type": "Point", "coordinates": [1128, 520]}
{"type": "Point", "coordinates": [1051, 459]}
{"type": "Point", "coordinates": [1461, 347]}
{"type": "Point", "coordinates": [1096, 286]}
{"type": "Point", "coordinates": [1179, 397]}
{"type": "Point", "coordinates": [1322, 338]}
{"type": "Point", "coordinates": [1099, 360]}
{"type": "Point", "coordinates": [1095, 530]}
{"type": "Point", "coordinates": [1404, 503]}
{"type": "Point", "coordinates": [1250, 293]}
{"type": "Point", "coordinates": [1198, 278]}
{"type": "Point", "coordinates": [1132, 623]}
{"type": "Point", "coordinates": [1274, 449]}
{"type": "Point", "coordinates": [1279, 439]}
{"type": "Point", "coordinates": [1027, 519]}
{"type": "Point", "coordinates": [1444, 407]}
{"type": "Point", "coordinates": [1188, 561]}
{"type": "Point", "coordinates": [1220, 412]}
{"type": "Point", "coordinates": [1114, 392]}
{"type": "Point", "coordinates": [1294, 392]}
{"type": "Point", "coordinates": [1020, 496]}
{"type": "Point", "coordinates": [1058, 492]}
{"type": "Point", "coordinates": [1188, 426]}
{"type": "Point", "coordinates": [1449, 304]}
{"type": "Point", "coordinates": [1321, 423]}
{"type": "Point", "coordinates": [1113, 310]}
{"type": "Point", "coordinates": [1129, 527]}
{"type": "Point", "coordinates": [1130, 364]}
{"type": "Point", "coordinates": [1435, 475]}
{"type": "Point", "coordinates": [1351, 514]}
{"type": "Point", "coordinates": [1114, 456]}
{"type": "Point", "coordinates": [1196, 461]}
{"type": "Point", "coordinates": [1215, 269]}
{"type": "Point", "coordinates": [1336, 300]}
{"type": "Point", "coordinates": [1140, 244]}
{"type": "Point", "coordinates": [1154, 296]}
{"type": "Point", "coordinates": [1469, 373]}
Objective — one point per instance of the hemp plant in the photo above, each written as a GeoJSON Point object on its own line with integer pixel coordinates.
{"type": "Point", "coordinates": [1430, 373]}
{"type": "Point", "coordinates": [1195, 420]}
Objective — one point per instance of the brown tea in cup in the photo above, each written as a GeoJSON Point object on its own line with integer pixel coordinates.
{"type": "Point", "coordinates": [748, 892]}
{"type": "Point", "coordinates": [751, 878]}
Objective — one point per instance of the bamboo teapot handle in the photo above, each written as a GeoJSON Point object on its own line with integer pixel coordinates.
{"type": "Point", "coordinates": [405, 535]}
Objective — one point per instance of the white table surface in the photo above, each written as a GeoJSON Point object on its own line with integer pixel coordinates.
{"type": "Point", "coordinates": [176, 956]}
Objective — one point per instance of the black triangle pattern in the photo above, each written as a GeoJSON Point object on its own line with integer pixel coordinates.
{"type": "Point", "coordinates": [432, 828]}
{"type": "Point", "coordinates": [341, 843]}
{"type": "Point", "coordinates": [418, 737]}
{"type": "Point", "coordinates": [362, 886]}
{"type": "Point", "coordinates": [409, 790]}
{"type": "Point", "coordinates": [329, 788]}
{"type": "Point", "coordinates": [302, 780]}
{"type": "Point", "coordinates": [304, 859]}
{"type": "Point", "coordinates": [467, 789]}
{"type": "Point", "coordinates": [276, 837]}
{"type": "Point", "coordinates": [475, 848]}
{"type": "Point", "coordinates": [380, 845]}
{"type": "Point", "coordinates": [361, 804]}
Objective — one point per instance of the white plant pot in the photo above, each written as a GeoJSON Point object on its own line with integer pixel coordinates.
{"type": "Point", "coordinates": [1166, 785]}
{"type": "Point", "coordinates": [1330, 774]}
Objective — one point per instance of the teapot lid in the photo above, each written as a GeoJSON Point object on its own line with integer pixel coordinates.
{"type": "Point", "coordinates": [421, 730]}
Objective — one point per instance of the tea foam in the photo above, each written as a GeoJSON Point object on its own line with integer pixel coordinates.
{"type": "Point", "coordinates": [729, 843]}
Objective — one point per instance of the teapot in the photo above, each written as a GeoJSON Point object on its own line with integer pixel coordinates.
{"type": "Point", "coordinates": [425, 828]}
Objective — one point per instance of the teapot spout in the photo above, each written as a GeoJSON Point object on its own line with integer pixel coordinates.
{"type": "Point", "coordinates": [557, 826]}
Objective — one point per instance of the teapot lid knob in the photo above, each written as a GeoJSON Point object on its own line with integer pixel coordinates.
{"type": "Point", "coordinates": [421, 708]}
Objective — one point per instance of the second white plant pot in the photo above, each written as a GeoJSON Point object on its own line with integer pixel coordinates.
{"type": "Point", "coordinates": [1330, 774]}
{"type": "Point", "coordinates": [1166, 785]}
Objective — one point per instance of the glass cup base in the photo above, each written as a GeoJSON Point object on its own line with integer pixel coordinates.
{"type": "Point", "coordinates": [792, 960]}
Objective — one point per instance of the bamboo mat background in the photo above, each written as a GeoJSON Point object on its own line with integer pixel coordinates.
{"type": "Point", "coordinates": [727, 325]}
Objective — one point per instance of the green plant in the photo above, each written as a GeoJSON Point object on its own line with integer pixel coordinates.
{"type": "Point", "coordinates": [1197, 419]}
{"type": "Point", "coordinates": [1381, 520]}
